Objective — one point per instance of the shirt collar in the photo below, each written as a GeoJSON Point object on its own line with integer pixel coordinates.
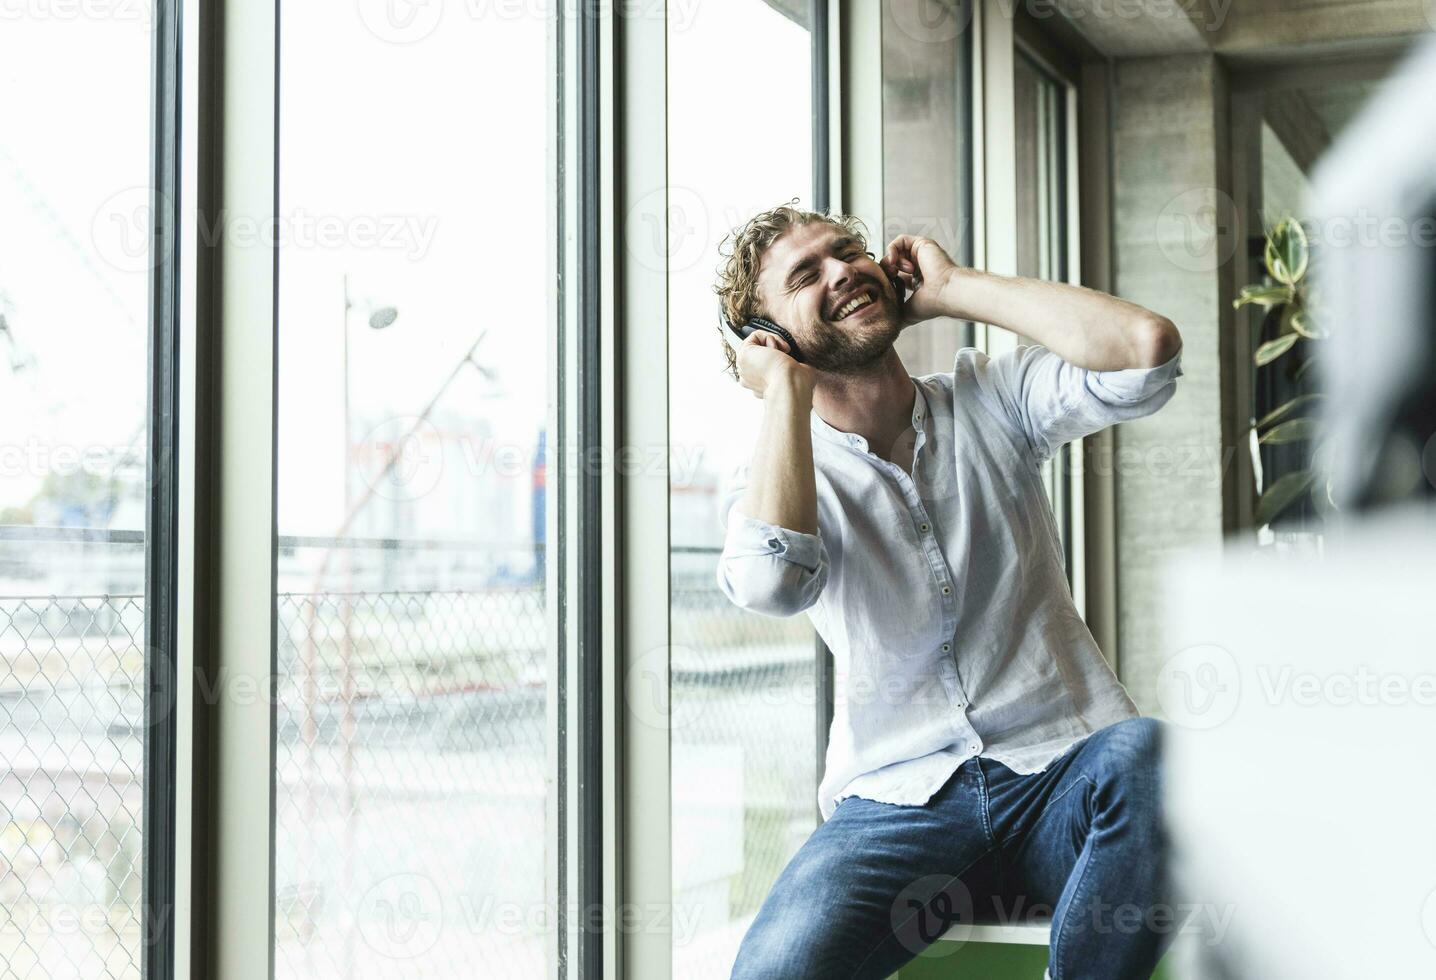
{"type": "Point", "coordinates": [832, 434]}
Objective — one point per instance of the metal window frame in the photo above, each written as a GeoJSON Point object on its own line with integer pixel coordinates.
{"type": "Point", "coordinates": [162, 511]}
{"type": "Point", "coordinates": [231, 532]}
{"type": "Point", "coordinates": [1056, 46]}
{"type": "Point", "coordinates": [827, 66]}
{"type": "Point", "coordinates": [225, 855]}
{"type": "Point", "coordinates": [594, 818]}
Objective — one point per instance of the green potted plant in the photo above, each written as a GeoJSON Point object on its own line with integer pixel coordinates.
{"type": "Point", "coordinates": [1284, 436]}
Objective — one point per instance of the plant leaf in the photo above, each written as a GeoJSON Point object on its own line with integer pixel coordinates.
{"type": "Point", "coordinates": [1286, 252]}
{"type": "Point", "coordinates": [1298, 250]}
{"type": "Point", "coordinates": [1301, 323]}
{"type": "Point", "coordinates": [1282, 411]}
{"type": "Point", "coordinates": [1264, 296]}
{"type": "Point", "coordinates": [1273, 349]}
{"type": "Point", "coordinates": [1292, 430]}
{"type": "Point", "coordinates": [1321, 497]}
{"type": "Point", "coordinates": [1282, 494]}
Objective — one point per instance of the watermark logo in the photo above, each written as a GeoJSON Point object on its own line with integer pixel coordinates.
{"type": "Point", "coordinates": [139, 13]}
{"type": "Point", "coordinates": [128, 229]}
{"type": "Point", "coordinates": [667, 229]}
{"type": "Point", "coordinates": [400, 917]}
{"type": "Point", "coordinates": [1199, 687]}
{"type": "Point", "coordinates": [1428, 917]}
{"type": "Point", "coordinates": [401, 21]}
{"type": "Point", "coordinates": [927, 908]}
{"type": "Point", "coordinates": [401, 458]}
{"type": "Point", "coordinates": [932, 21]}
{"type": "Point", "coordinates": [649, 690]}
{"type": "Point", "coordinates": [1197, 230]}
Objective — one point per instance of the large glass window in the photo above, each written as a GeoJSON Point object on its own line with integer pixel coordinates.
{"type": "Point", "coordinates": [76, 257]}
{"type": "Point", "coordinates": [417, 305]}
{"type": "Point", "coordinates": [743, 686]}
{"type": "Point", "coordinates": [927, 150]}
{"type": "Point", "coordinates": [1041, 121]}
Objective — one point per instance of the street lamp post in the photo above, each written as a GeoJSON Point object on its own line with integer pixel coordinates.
{"type": "Point", "coordinates": [380, 317]}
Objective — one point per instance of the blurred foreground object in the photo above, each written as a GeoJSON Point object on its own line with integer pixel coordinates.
{"type": "Point", "coordinates": [1301, 762]}
{"type": "Point", "coordinates": [1301, 767]}
{"type": "Point", "coordinates": [1374, 202]}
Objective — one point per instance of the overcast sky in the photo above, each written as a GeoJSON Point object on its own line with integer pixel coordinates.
{"type": "Point", "coordinates": [425, 162]}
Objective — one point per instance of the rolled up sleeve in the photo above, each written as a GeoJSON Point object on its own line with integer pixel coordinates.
{"type": "Point", "coordinates": [1053, 402]}
{"type": "Point", "coordinates": [769, 569]}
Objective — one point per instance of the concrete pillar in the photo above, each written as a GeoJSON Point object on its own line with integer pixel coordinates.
{"type": "Point", "coordinates": [1172, 233]}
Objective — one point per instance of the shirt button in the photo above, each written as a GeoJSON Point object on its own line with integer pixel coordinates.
{"type": "Point", "coordinates": [972, 746]}
{"type": "Point", "coordinates": [947, 648]}
{"type": "Point", "coordinates": [947, 590]}
{"type": "Point", "coordinates": [923, 528]}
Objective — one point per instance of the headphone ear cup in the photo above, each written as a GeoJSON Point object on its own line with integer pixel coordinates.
{"type": "Point", "coordinates": [758, 323]}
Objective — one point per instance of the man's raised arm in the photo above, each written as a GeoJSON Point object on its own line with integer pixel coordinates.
{"type": "Point", "coordinates": [1085, 328]}
{"type": "Point", "coordinates": [773, 560]}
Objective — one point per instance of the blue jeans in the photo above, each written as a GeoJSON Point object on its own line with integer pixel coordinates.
{"type": "Point", "coordinates": [1080, 844]}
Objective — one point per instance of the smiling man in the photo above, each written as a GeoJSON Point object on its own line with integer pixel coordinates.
{"type": "Point", "coordinates": [983, 759]}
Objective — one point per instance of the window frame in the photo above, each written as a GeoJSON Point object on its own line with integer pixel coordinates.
{"type": "Point", "coordinates": [161, 642]}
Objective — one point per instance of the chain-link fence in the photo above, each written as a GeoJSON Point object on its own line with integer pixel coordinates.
{"type": "Point", "coordinates": [744, 750]}
{"type": "Point", "coordinates": [411, 787]}
{"type": "Point", "coordinates": [72, 749]}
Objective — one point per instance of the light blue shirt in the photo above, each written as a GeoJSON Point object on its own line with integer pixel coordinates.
{"type": "Point", "coordinates": [943, 596]}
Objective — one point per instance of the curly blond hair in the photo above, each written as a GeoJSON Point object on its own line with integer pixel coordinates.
{"type": "Point", "coordinates": [743, 249]}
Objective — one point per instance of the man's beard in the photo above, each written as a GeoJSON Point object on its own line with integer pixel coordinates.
{"type": "Point", "coordinates": [851, 349]}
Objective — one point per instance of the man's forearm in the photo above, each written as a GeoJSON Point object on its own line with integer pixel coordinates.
{"type": "Point", "coordinates": [782, 489]}
{"type": "Point", "coordinates": [1083, 327]}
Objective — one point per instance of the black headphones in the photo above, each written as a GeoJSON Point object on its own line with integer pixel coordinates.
{"type": "Point", "coordinates": [736, 335]}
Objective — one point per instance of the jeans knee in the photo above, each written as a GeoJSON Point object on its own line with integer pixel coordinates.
{"type": "Point", "coordinates": [768, 952]}
{"type": "Point", "coordinates": [1136, 744]}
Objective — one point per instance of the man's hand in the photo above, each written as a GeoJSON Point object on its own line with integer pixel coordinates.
{"type": "Point", "coordinates": [764, 364]}
{"type": "Point", "coordinates": [926, 270]}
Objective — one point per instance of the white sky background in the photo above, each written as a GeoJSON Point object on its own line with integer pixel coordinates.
{"type": "Point", "coordinates": [74, 134]}
{"type": "Point", "coordinates": [739, 141]}
{"type": "Point", "coordinates": [445, 136]}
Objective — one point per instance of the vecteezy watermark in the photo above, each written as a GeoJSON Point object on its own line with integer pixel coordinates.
{"type": "Point", "coordinates": [140, 13]}
{"type": "Point", "coordinates": [931, 21]}
{"type": "Point", "coordinates": [1428, 917]}
{"type": "Point", "coordinates": [401, 458]}
{"type": "Point", "coordinates": [405, 457]}
{"type": "Point", "coordinates": [409, 21]}
{"type": "Point", "coordinates": [927, 908]}
{"type": "Point", "coordinates": [41, 920]}
{"type": "Point", "coordinates": [34, 458]}
{"type": "Point", "coordinates": [1199, 687]}
{"type": "Point", "coordinates": [1363, 687]}
{"type": "Point", "coordinates": [648, 689]}
{"type": "Point", "coordinates": [1363, 229]}
{"type": "Point", "coordinates": [1211, 14]}
{"type": "Point", "coordinates": [402, 916]}
{"type": "Point", "coordinates": [489, 915]}
{"type": "Point", "coordinates": [132, 228]}
{"type": "Point", "coordinates": [1102, 918]}
{"type": "Point", "coordinates": [1189, 462]}
{"type": "Point", "coordinates": [1198, 229]}
{"type": "Point", "coordinates": [668, 229]}
{"type": "Point", "coordinates": [939, 21]}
